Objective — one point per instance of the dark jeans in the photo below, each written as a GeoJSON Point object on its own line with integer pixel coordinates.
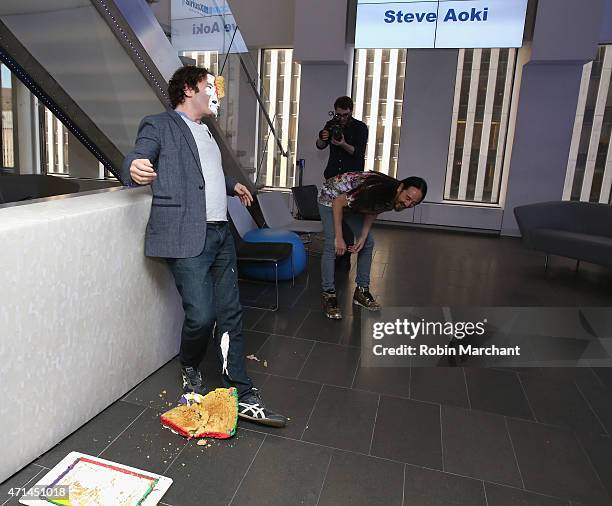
{"type": "Point", "coordinates": [208, 285]}
{"type": "Point", "coordinates": [349, 239]}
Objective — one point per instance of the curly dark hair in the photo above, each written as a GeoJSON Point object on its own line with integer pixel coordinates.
{"type": "Point", "coordinates": [344, 103]}
{"type": "Point", "coordinates": [190, 76]}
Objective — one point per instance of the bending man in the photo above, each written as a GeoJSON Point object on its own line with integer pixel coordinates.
{"type": "Point", "coordinates": [358, 198]}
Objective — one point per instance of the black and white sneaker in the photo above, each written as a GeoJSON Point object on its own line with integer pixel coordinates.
{"type": "Point", "coordinates": [251, 407]}
{"type": "Point", "coordinates": [192, 380]}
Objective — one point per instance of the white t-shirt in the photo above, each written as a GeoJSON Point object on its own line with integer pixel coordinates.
{"type": "Point", "coordinates": [212, 170]}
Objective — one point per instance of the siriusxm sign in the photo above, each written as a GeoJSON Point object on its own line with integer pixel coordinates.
{"type": "Point", "coordinates": [203, 9]}
{"type": "Point", "coordinates": [440, 23]}
{"type": "Point", "coordinates": [205, 26]}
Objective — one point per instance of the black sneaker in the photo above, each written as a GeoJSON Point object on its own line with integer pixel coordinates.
{"type": "Point", "coordinates": [330, 305]}
{"type": "Point", "coordinates": [251, 407]}
{"type": "Point", "coordinates": [192, 380]}
{"type": "Point", "coordinates": [362, 297]}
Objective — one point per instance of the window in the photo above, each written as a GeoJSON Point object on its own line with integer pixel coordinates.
{"type": "Point", "coordinates": [280, 81]}
{"type": "Point", "coordinates": [378, 93]}
{"type": "Point", "coordinates": [55, 144]}
{"type": "Point", "coordinates": [483, 90]}
{"type": "Point", "coordinates": [207, 59]}
{"type": "Point", "coordinates": [589, 167]}
{"type": "Point", "coordinates": [40, 127]}
{"type": "Point", "coordinates": [7, 131]}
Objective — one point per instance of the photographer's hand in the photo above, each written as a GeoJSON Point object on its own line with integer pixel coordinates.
{"type": "Point", "coordinates": [344, 145]}
{"type": "Point", "coordinates": [323, 139]}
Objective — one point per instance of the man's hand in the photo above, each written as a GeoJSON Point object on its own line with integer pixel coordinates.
{"type": "Point", "coordinates": [324, 135]}
{"type": "Point", "coordinates": [340, 246]}
{"type": "Point", "coordinates": [358, 246]}
{"type": "Point", "coordinates": [344, 145]}
{"type": "Point", "coordinates": [141, 171]}
{"type": "Point", "coordinates": [338, 142]}
{"type": "Point", "coordinates": [244, 194]}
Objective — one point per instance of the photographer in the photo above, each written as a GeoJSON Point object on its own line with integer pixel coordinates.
{"type": "Point", "coordinates": [346, 137]}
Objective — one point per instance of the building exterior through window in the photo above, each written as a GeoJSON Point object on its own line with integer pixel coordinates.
{"type": "Point", "coordinates": [589, 167]}
{"type": "Point", "coordinates": [483, 92]}
{"type": "Point", "coordinates": [7, 130]}
{"type": "Point", "coordinates": [378, 93]}
{"type": "Point", "coordinates": [280, 92]}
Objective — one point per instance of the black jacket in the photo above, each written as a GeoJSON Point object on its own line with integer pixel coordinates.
{"type": "Point", "coordinates": [339, 162]}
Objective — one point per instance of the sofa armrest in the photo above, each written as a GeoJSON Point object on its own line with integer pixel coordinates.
{"type": "Point", "coordinates": [541, 215]}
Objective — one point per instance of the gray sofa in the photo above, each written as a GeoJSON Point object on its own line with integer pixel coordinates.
{"type": "Point", "coordinates": [579, 230]}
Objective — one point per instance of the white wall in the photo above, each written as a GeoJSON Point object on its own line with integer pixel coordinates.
{"type": "Point", "coordinates": [265, 23]}
{"type": "Point", "coordinates": [320, 31]}
{"type": "Point", "coordinates": [84, 316]}
{"type": "Point", "coordinates": [319, 88]}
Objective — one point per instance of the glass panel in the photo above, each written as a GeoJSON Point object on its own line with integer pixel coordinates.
{"type": "Point", "coordinates": [481, 179]}
{"type": "Point", "coordinates": [590, 174]}
{"type": "Point", "coordinates": [280, 88]}
{"type": "Point", "coordinates": [55, 145]}
{"type": "Point", "coordinates": [8, 150]}
{"type": "Point", "coordinates": [384, 116]}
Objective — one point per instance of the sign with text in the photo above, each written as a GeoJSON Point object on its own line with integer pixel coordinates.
{"type": "Point", "coordinates": [440, 24]}
{"type": "Point", "coordinates": [205, 26]}
{"type": "Point", "coordinates": [488, 336]}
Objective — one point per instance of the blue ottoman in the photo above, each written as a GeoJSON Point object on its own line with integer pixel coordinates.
{"type": "Point", "coordinates": [265, 271]}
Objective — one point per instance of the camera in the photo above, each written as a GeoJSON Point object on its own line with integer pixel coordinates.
{"type": "Point", "coordinates": [334, 127]}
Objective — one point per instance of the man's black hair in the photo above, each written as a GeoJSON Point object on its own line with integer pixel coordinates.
{"type": "Point", "coordinates": [416, 182]}
{"type": "Point", "coordinates": [189, 76]}
{"type": "Point", "coordinates": [344, 103]}
{"type": "Point", "coordinates": [377, 193]}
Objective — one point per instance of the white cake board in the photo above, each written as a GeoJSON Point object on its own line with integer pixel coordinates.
{"type": "Point", "coordinates": [113, 485]}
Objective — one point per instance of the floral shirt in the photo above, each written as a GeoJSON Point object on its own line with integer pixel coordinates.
{"type": "Point", "coordinates": [343, 183]}
{"type": "Point", "coordinates": [353, 184]}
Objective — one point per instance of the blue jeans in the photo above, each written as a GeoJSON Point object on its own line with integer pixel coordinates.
{"type": "Point", "coordinates": [364, 257]}
{"type": "Point", "coordinates": [208, 285]}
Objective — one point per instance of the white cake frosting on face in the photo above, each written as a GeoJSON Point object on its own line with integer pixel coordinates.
{"type": "Point", "coordinates": [211, 91]}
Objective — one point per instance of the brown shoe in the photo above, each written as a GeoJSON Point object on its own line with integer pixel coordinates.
{"type": "Point", "coordinates": [362, 297]}
{"type": "Point", "coordinates": [330, 305]}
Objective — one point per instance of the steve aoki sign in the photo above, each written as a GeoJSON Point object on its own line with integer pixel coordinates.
{"type": "Point", "coordinates": [440, 23]}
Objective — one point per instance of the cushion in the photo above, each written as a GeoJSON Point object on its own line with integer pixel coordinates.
{"type": "Point", "coordinates": [591, 248]}
{"type": "Point", "coordinates": [266, 272]}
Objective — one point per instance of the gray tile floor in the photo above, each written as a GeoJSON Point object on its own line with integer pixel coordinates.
{"type": "Point", "coordinates": [420, 436]}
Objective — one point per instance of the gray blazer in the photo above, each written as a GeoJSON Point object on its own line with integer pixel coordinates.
{"type": "Point", "coordinates": [177, 223]}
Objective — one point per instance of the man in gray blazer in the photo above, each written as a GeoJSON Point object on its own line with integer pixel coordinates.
{"type": "Point", "coordinates": [177, 155]}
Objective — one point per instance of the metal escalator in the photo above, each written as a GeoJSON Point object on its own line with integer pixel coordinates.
{"type": "Point", "coordinates": [99, 65]}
